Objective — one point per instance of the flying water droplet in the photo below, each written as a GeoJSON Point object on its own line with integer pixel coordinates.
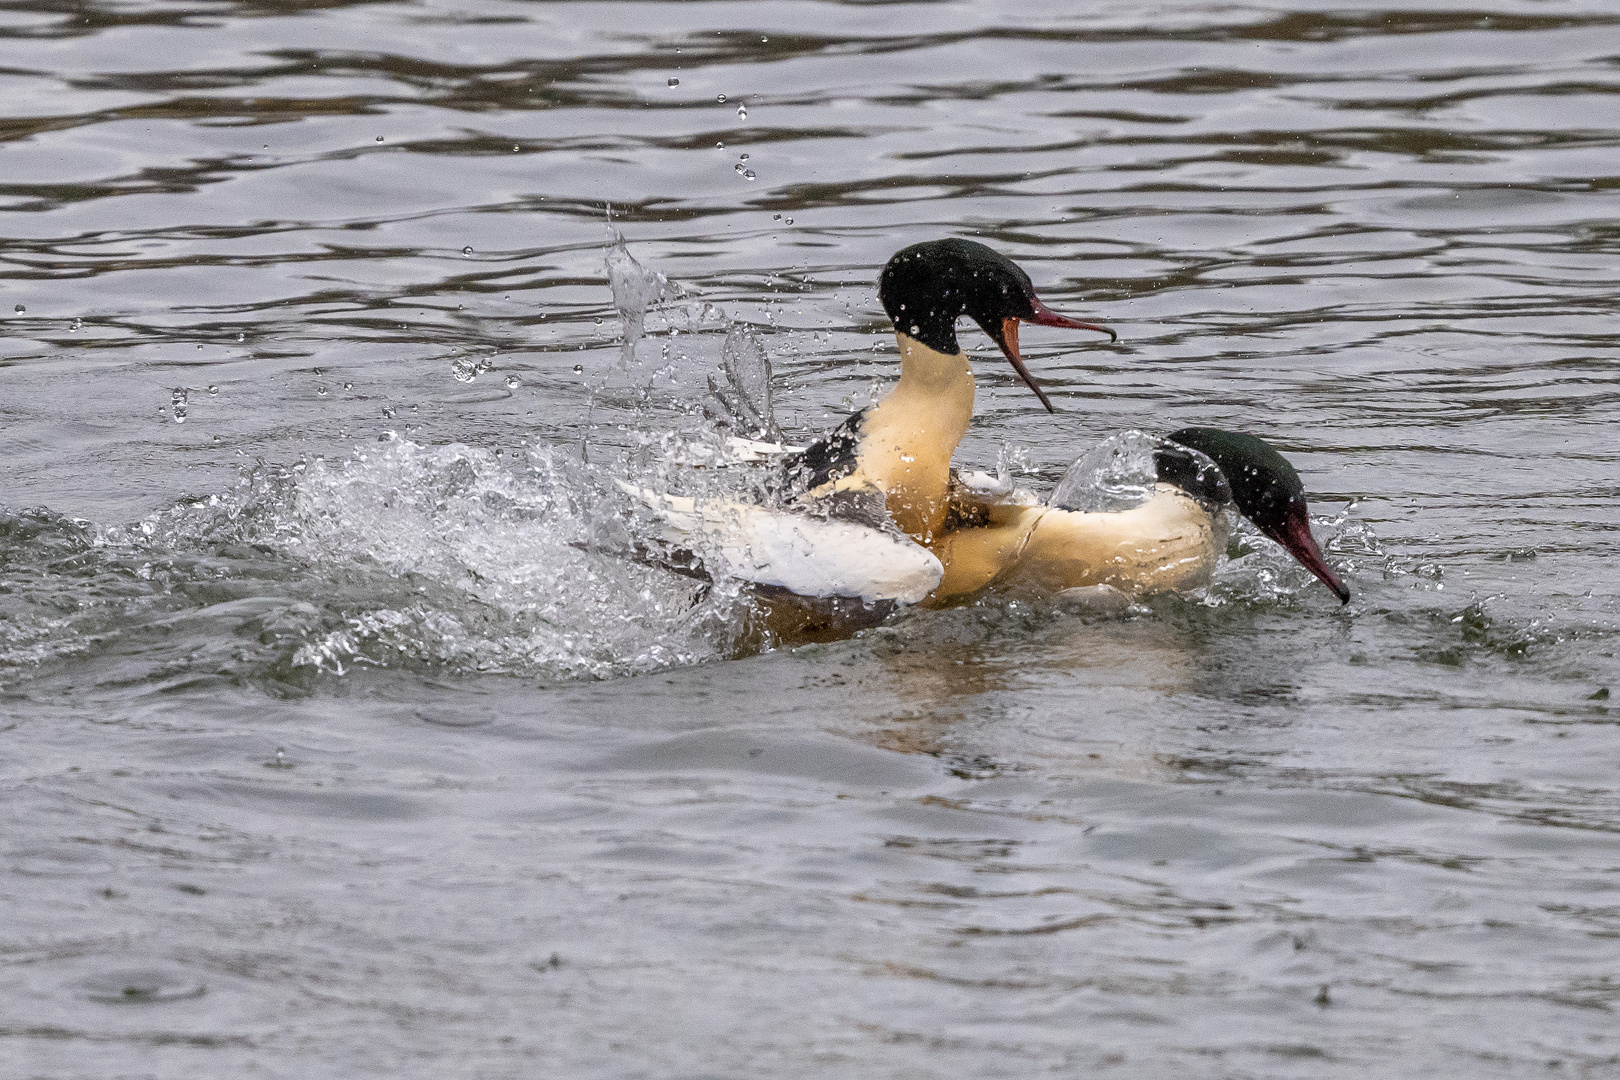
{"type": "Point", "coordinates": [19, 309]}
{"type": "Point", "coordinates": [513, 382]}
{"type": "Point", "coordinates": [743, 157]}
{"type": "Point", "coordinates": [579, 369]}
{"type": "Point", "coordinates": [789, 221]}
{"type": "Point", "coordinates": [241, 337]}
{"type": "Point", "coordinates": [674, 82]}
{"type": "Point", "coordinates": [379, 138]}
{"type": "Point", "coordinates": [514, 148]}
{"type": "Point", "coordinates": [467, 250]}
{"type": "Point", "coordinates": [213, 391]}
{"type": "Point", "coordinates": [388, 412]}
{"type": "Point", "coordinates": [348, 386]}
{"type": "Point", "coordinates": [177, 402]}
{"type": "Point", "coordinates": [721, 99]}
{"type": "Point", "coordinates": [719, 146]}
{"type": "Point", "coordinates": [748, 174]}
{"type": "Point", "coordinates": [320, 391]}
{"type": "Point", "coordinates": [74, 329]}
{"type": "Point", "coordinates": [465, 369]}
{"type": "Point", "coordinates": [280, 760]}
{"type": "Point", "coordinates": [742, 112]}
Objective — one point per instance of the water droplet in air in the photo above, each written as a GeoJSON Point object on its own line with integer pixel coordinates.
{"type": "Point", "coordinates": [199, 348]}
{"type": "Point", "coordinates": [598, 320]}
{"type": "Point", "coordinates": [579, 369]}
{"type": "Point", "coordinates": [465, 369]}
{"type": "Point", "coordinates": [763, 40]}
{"type": "Point", "coordinates": [19, 309]}
{"type": "Point", "coordinates": [742, 112]}
{"type": "Point", "coordinates": [241, 337]}
{"type": "Point", "coordinates": [379, 138]}
{"type": "Point", "coordinates": [213, 391]}
{"type": "Point", "coordinates": [748, 175]}
{"type": "Point", "coordinates": [776, 217]}
{"type": "Point", "coordinates": [789, 221]}
{"type": "Point", "coordinates": [513, 382]}
{"type": "Point", "coordinates": [514, 148]}
{"type": "Point", "coordinates": [75, 327]}
{"type": "Point", "coordinates": [320, 391]}
{"type": "Point", "coordinates": [388, 412]}
{"type": "Point", "coordinates": [721, 99]}
{"type": "Point", "coordinates": [280, 760]}
{"type": "Point", "coordinates": [177, 401]}
{"type": "Point", "coordinates": [467, 250]}
{"type": "Point", "coordinates": [674, 82]}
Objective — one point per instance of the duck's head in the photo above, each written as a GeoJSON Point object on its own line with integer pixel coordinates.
{"type": "Point", "coordinates": [1265, 489]}
{"type": "Point", "coordinates": [926, 287]}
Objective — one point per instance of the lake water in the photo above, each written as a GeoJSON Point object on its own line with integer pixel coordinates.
{"type": "Point", "coordinates": [332, 746]}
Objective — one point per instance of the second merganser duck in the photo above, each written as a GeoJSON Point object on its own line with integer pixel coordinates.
{"type": "Point", "coordinates": [1169, 543]}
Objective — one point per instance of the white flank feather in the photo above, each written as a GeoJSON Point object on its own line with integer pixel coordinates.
{"type": "Point", "coordinates": [804, 555]}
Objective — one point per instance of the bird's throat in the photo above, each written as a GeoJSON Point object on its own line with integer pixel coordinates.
{"type": "Point", "coordinates": [908, 437]}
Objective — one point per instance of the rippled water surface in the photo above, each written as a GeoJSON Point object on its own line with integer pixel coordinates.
{"type": "Point", "coordinates": [333, 746]}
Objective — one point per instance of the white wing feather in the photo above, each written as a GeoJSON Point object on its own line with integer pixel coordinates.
{"type": "Point", "coordinates": [804, 555]}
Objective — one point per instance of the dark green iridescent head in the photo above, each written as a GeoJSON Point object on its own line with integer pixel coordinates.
{"type": "Point", "coordinates": [1266, 490]}
{"type": "Point", "coordinates": [926, 287]}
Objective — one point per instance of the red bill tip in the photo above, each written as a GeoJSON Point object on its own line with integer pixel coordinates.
{"type": "Point", "coordinates": [1045, 316]}
{"type": "Point", "coordinates": [1295, 535]}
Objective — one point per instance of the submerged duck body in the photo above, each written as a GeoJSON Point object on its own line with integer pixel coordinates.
{"type": "Point", "coordinates": [1171, 543]}
{"type": "Point", "coordinates": [1168, 544]}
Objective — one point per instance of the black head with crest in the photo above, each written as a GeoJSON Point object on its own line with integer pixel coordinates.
{"type": "Point", "coordinates": [926, 287]}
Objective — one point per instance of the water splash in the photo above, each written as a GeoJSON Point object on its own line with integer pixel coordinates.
{"type": "Point", "coordinates": [744, 403]}
{"type": "Point", "coordinates": [635, 290]}
{"type": "Point", "coordinates": [1117, 474]}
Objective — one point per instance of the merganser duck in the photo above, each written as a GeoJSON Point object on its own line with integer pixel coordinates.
{"type": "Point", "coordinates": [901, 447]}
{"type": "Point", "coordinates": [857, 508]}
{"type": "Point", "coordinates": [1169, 543]}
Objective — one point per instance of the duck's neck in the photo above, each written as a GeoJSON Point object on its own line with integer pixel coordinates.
{"type": "Point", "coordinates": [936, 388]}
{"type": "Point", "coordinates": [911, 434]}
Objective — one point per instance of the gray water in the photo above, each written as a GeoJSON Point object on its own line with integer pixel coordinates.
{"type": "Point", "coordinates": [333, 746]}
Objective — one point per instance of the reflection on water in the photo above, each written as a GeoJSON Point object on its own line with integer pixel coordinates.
{"type": "Point", "coordinates": [317, 751]}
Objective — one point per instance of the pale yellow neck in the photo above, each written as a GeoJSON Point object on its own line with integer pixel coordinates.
{"type": "Point", "coordinates": [908, 437]}
{"type": "Point", "coordinates": [936, 375]}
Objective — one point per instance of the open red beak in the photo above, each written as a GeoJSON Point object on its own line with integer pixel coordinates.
{"type": "Point", "coordinates": [1044, 316]}
{"type": "Point", "coordinates": [1295, 535]}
